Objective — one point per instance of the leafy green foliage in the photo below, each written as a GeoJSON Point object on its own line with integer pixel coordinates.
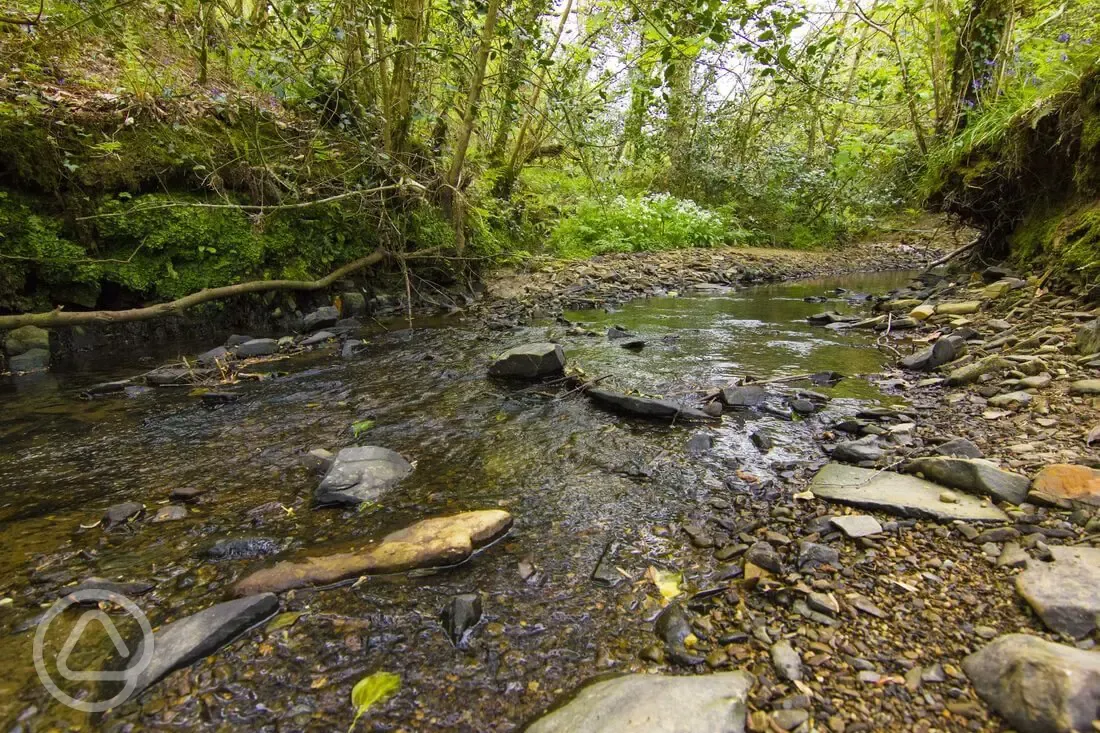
{"type": "Point", "coordinates": [653, 222]}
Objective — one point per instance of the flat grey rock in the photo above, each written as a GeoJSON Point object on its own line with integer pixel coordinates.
{"type": "Point", "coordinates": [323, 317]}
{"type": "Point", "coordinates": [857, 525]}
{"type": "Point", "coordinates": [362, 474]}
{"type": "Point", "coordinates": [530, 361]}
{"type": "Point", "coordinates": [652, 703]}
{"type": "Point", "coordinates": [748, 396]}
{"type": "Point", "coordinates": [973, 475]}
{"type": "Point", "coordinates": [182, 642]}
{"type": "Point", "coordinates": [257, 347]}
{"type": "Point", "coordinates": [1036, 685]}
{"type": "Point", "coordinates": [318, 338]}
{"type": "Point", "coordinates": [857, 451]}
{"type": "Point", "coordinates": [646, 406]}
{"type": "Point", "coordinates": [960, 447]}
{"type": "Point", "coordinates": [1064, 593]}
{"type": "Point", "coordinates": [896, 493]}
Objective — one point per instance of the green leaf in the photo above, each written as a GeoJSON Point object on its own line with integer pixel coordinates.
{"type": "Point", "coordinates": [284, 620]}
{"type": "Point", "coordinates": [372, 689]}
{"type": "Point", "coordinates": [361, 427]}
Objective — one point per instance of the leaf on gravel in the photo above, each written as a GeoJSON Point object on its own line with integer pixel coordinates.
{"type": "Point", "coordinates": [667, 581]}
{"type": "Point", "coordinates": [372, 689]}
{"type": "Point", "coordinates": [361, 427]}
{"type": "Point", "coordinates": [284, 620]}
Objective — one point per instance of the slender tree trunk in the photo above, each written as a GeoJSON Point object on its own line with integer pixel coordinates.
{"type": "Point", "coordinates": [678, 125]}
{"type": "Point", "coordinates": [640, 94]}
{"type": "Point", "coordinates": [981, 39]}
{"type": "Point", "coordinates": [512, 77]}
{"type": "Point", "coordinates": [410, 25]}
{"type": "Point", "coordinates": [515, 161]}
{"type": "Point", "coordinates": [452, 196]}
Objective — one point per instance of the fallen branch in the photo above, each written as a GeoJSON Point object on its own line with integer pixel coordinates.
{"type": "Point", "coordinates": [955, 253]}
{"type": "Point", "coordinates": [59, 318]}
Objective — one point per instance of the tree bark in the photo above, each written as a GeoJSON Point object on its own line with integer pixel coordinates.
{"type": "Point", "coordinates": [59, 318]}
{"type": "Point", "coordinates": [462, 144]}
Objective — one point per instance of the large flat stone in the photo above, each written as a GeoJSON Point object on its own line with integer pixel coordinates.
{"type": "Point", "coordinates": [653, 703]}
{"type": "Point", "coordinates": [1036, 685]}
{"type": "Point", "coordinates": [436, 542]}
{"type": "Point", "coordinates": [973, 475]}
{"type": "Point", "coordinates": [530, 361]}
{"type": "Point", "coordinates": [896, 493]}
{"type": "Point", "coordinates": [645, 406]}
{"type": "Point", "coordinates": [182, 642]}
{"type": "Point", "coordinates": [361, 474]}
{"type": "Point", "coordinates": [1065, 593]}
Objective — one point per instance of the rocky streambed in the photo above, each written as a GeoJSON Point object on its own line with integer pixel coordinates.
{"type": "Point", "coordinates": [733, 503]}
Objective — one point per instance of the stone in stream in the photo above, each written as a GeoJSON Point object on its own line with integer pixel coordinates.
{"type": "Point", "coordinates": [633, 345]}
{"type": "Point", "coordinates": [324, 317]}
{"type": "Point", "coordinates": [960, 447]}
{"type": "Point", "coordinates": [974, 475]}
{"type": "Point", "coordinates": [257, 347]}
{"type": "Point", "coordinates": [530, 361]}
{"type": "Point", "coordinates": [170, 513]}
{"type": "Point", "coordinates": [189, 639]}
{"type": "Point", "coordinates": [460, 616]}
{"type": "Point", "coordinates": [1068, 481]}
{"type": "Point", "coordinates": [214, 355]}
{"type": "Point", "coordinates": [1036, 685]}
{"type": "Point", "coordinates": [318, 460]}
{"type": "Point", "coordinates": [105, 388]}
{"type": "Point", "coordinates": [361, 474]}
{"type": "Point", "coordinates": [109, 586]}
{"type": "Point", "coordinates": [615, 333]}
{"type": "Point", "coordinates": [896, 493]}
{"type": "Point", "coordinates": [242, 548]}
{"type": "Point", "coordinates": [700, 443]}
{"type": "Point", "coordinates": [858, 451]}
{"type": "Point", "coordinates": [674, 629]}
{"type": "Point", "coordinates": [812, 554]}
{"type": "Point", "coordinates": [318, 338]}
{"type": "Point", "coordinates": [645, 406]}
{"type": "Point", "coordinates": [216, 398]}
{"type": "Point", "coordinates": [653, 703]}
{"type": "Point", "coordinates": [429, 543]}
{"type": "Point", "coordinates": [121, 513]}
{"type": "Point", "coordinates": [605, 571]}
{"type": "Point", "coordinates": [747, 396]}
{"type": "Point", "coordinates": [29, 361]}
{"type": "Point", "coordinates": [857, 525]}
{"type": "Point", "coordinates": [762, 441]}
{"type": "Point", "coordinates": [186, 493]}
{"type": "Point", "coordinates": [26, 338]}
{"type": "Point", "coordinates": [236, 340]}
{"type": "Point", "coordinates": [1088, 338]}
{"type": "Point", "coordinates": [1065, 593]}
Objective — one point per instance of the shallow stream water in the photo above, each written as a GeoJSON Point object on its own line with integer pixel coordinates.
{"type": "Point", "coordinates": [574, 476]}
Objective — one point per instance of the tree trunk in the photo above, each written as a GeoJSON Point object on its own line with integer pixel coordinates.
{"type": "Point", "coordinates": [512, 77]}
{"type": "Point", "coordinates": [451, 191]}
{"type": "Point", "coordinates": [981, 39]}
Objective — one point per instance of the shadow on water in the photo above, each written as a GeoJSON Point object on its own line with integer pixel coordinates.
{"type": "Point", "coordinates": [574, 477]}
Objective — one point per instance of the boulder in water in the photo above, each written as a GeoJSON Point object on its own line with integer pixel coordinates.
{"type": "Point", "coordinates": [361, 474]}
{"type": "Point", "coordinates": [645, 406]}
{"type": "Point", "coordinates": [323, 317]}
{"type": "Point", "coordinates": [257, 347]}
{"type": "Point", "coordinates": [530, 361]}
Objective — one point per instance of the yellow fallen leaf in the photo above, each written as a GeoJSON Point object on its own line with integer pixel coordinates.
{"type": "Point", "coordinates": [667, 581]}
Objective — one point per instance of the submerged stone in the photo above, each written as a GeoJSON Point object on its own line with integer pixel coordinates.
{"type": "Point", "coordinates": [361, 474]}
{"type": "Point", "coordinates": [436, 542]}
{"type": "Point", "coordinates": [649, 703]}
{"type": "Point", "coordinates": [645, 406]}
{"type": "Point", "coordinates": [189, 639]}
{"type": "Point", "coordinates": [460, 616]}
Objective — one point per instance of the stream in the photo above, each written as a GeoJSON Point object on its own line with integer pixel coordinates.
{"type": "Point", "coordinates": [574, 476]}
